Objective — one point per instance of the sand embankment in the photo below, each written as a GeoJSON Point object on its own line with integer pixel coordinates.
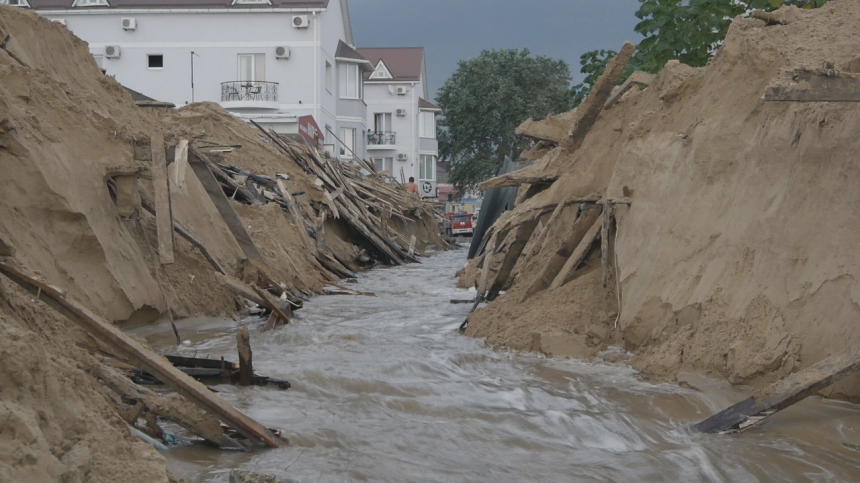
{"type": "Point", "coordinates": [737, 256]}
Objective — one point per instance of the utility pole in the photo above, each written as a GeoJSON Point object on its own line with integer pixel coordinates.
{"type": "Point", "coordinates": [192, 75]}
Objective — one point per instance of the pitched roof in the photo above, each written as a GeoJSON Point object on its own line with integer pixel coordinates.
{"type": "Point", "coordinates": [346, 53]}
{"type": "Point", "coordinates": [404, 63]}
{"type": "Point", "coordinates": [157, 4]}
{"type": "Point", "coordinates": [424, 104]}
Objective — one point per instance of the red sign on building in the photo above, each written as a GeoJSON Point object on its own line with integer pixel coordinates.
{"type": "Point", "coordinates": [309, 130]}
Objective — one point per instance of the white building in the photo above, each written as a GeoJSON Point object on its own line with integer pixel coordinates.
{"type": "Point", "coordinates": [402, 123]}
{"type": "Point", "coordinates": [286, 64]}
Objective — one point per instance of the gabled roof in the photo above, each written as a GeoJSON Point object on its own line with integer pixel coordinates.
{"type": "Point", "coordinates": [427, 105]}
{"type": "Point", "coordinates": [345, 53]}
{"type": "Point", "coordinates": [180, 4]}
{"type": "Point", "coordinates": [404, 63]}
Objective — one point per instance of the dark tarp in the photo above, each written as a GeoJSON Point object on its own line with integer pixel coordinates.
{"type": "Point", "coordinates": [496, 201]}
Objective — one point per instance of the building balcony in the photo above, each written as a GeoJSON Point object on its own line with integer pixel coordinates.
{"type": "Point", "coordinates": [249, 95]}
{"type": "Point", "coordinates": [381, 139]}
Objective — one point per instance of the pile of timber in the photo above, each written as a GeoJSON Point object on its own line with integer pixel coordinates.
{"type": "Point", "coordinates": [353, 192]}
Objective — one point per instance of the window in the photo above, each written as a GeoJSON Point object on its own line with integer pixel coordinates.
{"type": "Point", "coordinates": [15, 3]}
{"type": "Point", "coordinates": [382, 122]}
{"type": "Point", "coordinates": [384, 164]}
{"type": "Point", "coordinates": [252, 2]}
{"type": "Point", "coordinates": [155, 61]}
{"type": "Point", "coordinates": [427, 125]}
{"type": "Point", "coordinates": [381, 72]}
{"type": "Point", "coordinates": [328, 76]}
{"type": "Point", "coordinates": [90, 3]}
{"type": "Point", "coordinates": [350, 81]}
{"type": "Point", "coordinates": [347, 140]}
{"type": "Point", "coordinates": [252, 67]}
{"type": "Point", "coordinates": [329, 148]}
{"type": "Point", "coordinates": [427, 168]}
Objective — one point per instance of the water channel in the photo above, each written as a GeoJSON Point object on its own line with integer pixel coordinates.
{"type": "Point", "coordinates": [385, 389]}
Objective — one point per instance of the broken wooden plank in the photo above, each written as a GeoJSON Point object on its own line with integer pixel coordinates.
{"type": "Point", "coordinates": [298, 218]}
{"type": "Point", "coordinates": [637, 78]}
{"type": "Point", "coordinates": [200, 166]}
{"type": "Point", "coordinates": [592, 105]}
{"type": "Point", "coordinates": [785, 392]}
{"type": "Point", "coordinates": [142, 356]}
{"type": "Point", "coordinates": [512, 179]}
{"type": "Point", "coordinates": [411, 251]}
{"type": "Point", "coordinates": [578, 255]}
{"type": "Point", "coordinates": [604, 242]}
{"type": "Point", "coordinates": [562, 251]}
{"type": "Point", "coordinates": [163, 213]}
{"type": "Point", "coordinates": [816, 86]}
{"type": "Point", "coordinates": [177, 410]}
{"type": "Point", "coordinates": [180, 159]}
{"type": "Point", "coordinates": [272, 304]}
{"type": "Point", "coordinates": [522, 235]}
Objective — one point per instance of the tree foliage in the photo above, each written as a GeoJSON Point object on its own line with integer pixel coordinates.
{"type": "Point", "coordinates": [484, 101]}
{"type": "Point", "coordinates": [691, 30]}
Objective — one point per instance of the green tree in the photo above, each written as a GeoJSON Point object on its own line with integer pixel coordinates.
{"type": "Point", "coordinates": [691, 30]}
{"type": "Point", "coordinates": [484, 101]}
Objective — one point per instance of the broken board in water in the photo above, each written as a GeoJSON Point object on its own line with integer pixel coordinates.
{"type": "Point", "coordinates": [783, 394]}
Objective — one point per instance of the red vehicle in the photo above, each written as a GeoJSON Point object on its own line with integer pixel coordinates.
{"type": "Point", "coordinates": [461, 224]}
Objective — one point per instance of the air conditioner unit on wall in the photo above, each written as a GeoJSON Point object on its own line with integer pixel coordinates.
{"type": "Point", "coordinates": [403, 157]}
{"type": "Point", "coordinates": [129, 23]}
{"type": "Point", "coordinates": [401, 112]}
{"type": "Point", "coordinates": [301, 21]}
{"type": "Point", "coordinates": [401, 90]}
{"type": "Point", "coordinates": [112, 51]}
{"type": "Point", "coordinates": [282, 52]}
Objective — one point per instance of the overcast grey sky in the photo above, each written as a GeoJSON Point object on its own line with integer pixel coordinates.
{"type": "Point", "coordinates": [451, 30]}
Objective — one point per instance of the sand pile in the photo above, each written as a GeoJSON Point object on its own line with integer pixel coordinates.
{"type": "Point", "coordinates": [736, 256]}
{"type": "Point", "coordinates": [66, 131]}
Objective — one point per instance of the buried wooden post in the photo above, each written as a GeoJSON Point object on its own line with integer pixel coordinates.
{"type": "Point", "coordinates": [163, 213]}
{"type": "Point", "coordinates": [246, 365]}
{"type": "Point", "coordinates": [604, 241]}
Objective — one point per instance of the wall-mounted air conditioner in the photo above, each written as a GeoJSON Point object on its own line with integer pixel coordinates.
{"type": "Point", "coordinates": [112, 52]}
{"type": "Point", "coordinates": [301, 21]}
{"type": "Point", "coordinates": [401, 90]}
{"type": "Point", "coordinates": [403, 157]}
{"type": "Point", "coordinates": [282, 52]}
{"type": "Point", "coordinates": [401, 112]}
{"type": "Point", "coordinates": [129, 23]}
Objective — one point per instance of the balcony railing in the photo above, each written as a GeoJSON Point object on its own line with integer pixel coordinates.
{"type": "Point", "coordinates": [380, 138]}
{"type": "Point", "coordinates": [249, 91]}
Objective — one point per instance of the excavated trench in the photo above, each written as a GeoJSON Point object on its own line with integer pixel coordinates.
{"type": "Point", "coordinates": [386, 389]}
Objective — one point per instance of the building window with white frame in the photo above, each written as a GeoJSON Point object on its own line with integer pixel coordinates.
{"type": "Point", "coordinates": [329, 74]}
{"type": "Point", "coordinates": [384, 164]}
{"type": "Point", "coordinates": [427, 125]}
{"type": "Point", "coordinates": [347, 141]}
{"type": "Point", "coordinates": [351, 85]}
{"type": "Point", "coordinates": [15, 3]}
{"type": "Point", "coordinates": [252, 67]}
{"type": "Point", "coordinates": [427, 167]}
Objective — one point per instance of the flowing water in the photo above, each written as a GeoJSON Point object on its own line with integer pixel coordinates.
{"type": "Point", "coordinates": [385, 389]}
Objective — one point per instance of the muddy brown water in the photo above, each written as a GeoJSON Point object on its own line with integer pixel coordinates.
{"type": "Point", "coordinates": [385, 389]}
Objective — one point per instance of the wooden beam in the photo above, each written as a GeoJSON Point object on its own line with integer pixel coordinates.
{"type": "Point", "coordinates": [156, 365]}
{"type": "Point", "coordinates": [638, 78]}
{"type": "Point", "coordinates": [521, 236]}
{"type": "Point", "coordinates": [604, 242]}
{"type": "Point", "coordinates": [177, 410]}
{"type": "Point", "coordinates": [199, 164]}
{"type": "Point", "coordinates": [180, 160]}
{"type": "Point", "coordinates": [816, 86]}
{"type": "Point", "coordinates": [512, 179]}
{"type": "Point", "coordinates": [783, 393]}
{"type": "Point", "coordinates": [163, 213]}
{"type": "Point", "coordinates": [297, 217]}
{"type": "Point", "coordinates": [592, 105]}
{"type": "Point", "coordinates": [578, 255]}
{"type": "Point", "coordinates": [271, 303]}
